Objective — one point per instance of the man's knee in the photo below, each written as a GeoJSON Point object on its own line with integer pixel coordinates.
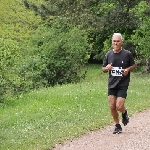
{"type": "Point", "coordinates": [119, 108]}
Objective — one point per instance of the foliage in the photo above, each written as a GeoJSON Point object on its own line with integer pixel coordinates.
{"type": "Point", "coordinates": [29, 61]}
{"type": "Point", "coordinates": [57, 54]}
{"type": "Point", "coordinates": [17, 23]}
{"type": "Point", "coordinates": [120, 17]}
{"type": "Point", "coordinates": [8, 67]}
{"type": "Point", "coordinates": [131, 37]}
{"type": "Point", "coordinates": [16, 26]}
{"type": "Point", "coordinates": [99, 18]}
{"type": "Point", "coordinates": [141, 35]}
{"type": "Point", "coordinates": [76, 12]}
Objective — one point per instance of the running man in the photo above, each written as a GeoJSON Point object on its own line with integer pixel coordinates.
{"type": "Point", "coordinates": [118, 62]}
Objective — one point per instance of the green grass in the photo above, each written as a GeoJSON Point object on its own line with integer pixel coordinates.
{"type": "Point", "coordinates": [40, 119]}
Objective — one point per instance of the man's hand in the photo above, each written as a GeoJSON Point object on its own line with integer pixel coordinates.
{"type": "Point", "coordinates": [109, 67]}
{"type": "Point", "coordinates": [125, 72]}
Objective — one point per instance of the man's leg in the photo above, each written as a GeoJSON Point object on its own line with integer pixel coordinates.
{"type": "Point", "coordinates": [112, 104]}
{"type": "Point", "coordinates": [120, 104]}
{"type": "Point", "coordinates": [121, 97]}
{"type": "Point", "coordinates": [120, 107]}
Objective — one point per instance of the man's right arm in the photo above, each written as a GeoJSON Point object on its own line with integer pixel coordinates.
{"type": "Point", "coordinates": [107, 68]}
{"type": "Point", "coordinates": [104, 69]}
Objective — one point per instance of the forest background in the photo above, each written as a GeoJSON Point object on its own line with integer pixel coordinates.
{"type": "Point", "coordinates": [44, 43]}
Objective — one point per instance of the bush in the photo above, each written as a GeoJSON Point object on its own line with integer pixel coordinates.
{"type": "Point", "coordinates": [9, 56]}
{"type": "Point", "coordinates": [57, 54]}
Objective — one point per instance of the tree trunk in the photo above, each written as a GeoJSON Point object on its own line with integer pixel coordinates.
{"type": "Point", "coordinates": [148, 65]}
{"type": "Point", "coordinates": [148, 2]}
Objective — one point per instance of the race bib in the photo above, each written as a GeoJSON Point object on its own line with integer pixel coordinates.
{"type": "Point", "coordinates": [116, 71]}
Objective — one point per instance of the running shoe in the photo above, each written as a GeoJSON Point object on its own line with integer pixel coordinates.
{"type": "Point", "coordinates": [125, 118]}
{"type": "Point", "coordinates": [118, 129]}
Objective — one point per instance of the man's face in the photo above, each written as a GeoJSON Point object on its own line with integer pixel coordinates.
{"type": "Point", "coordinates": [117, 43]}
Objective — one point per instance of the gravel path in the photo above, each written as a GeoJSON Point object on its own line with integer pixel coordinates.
{"type": "Point", "coordinates": [135, 136]}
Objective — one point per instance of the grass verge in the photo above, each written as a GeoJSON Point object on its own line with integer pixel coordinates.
{"type": "Point", "coordinates": [40, 119]}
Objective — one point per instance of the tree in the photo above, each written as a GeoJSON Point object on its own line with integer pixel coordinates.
{"type": "Point", "coordinates": [100, 18]}
{"type": "Point", "coordinates": [141, 35]}
{"type": "Point", "coordinates": [10, 57]}
{"type": "Point", "coordinates": [148, 2]}
{"type": "Point", "coordinates": [16, 26]}
{"type": "Point", "coordinates": [77, 12]}
{"type": "Point", "coordinates": [120, 17]}
{"type": "Point", "coordinates": [56, 56]}
{"type": "Point", "coordinates": [17, 23]}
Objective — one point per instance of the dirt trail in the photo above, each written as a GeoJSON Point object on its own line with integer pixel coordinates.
{"type": "Point", "coordinates": [135, 136]}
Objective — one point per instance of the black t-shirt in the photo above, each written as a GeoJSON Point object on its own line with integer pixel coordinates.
{"type": "Point", "coordinates": [121, 60]}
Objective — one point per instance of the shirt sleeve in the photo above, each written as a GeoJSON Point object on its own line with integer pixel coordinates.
{"type": "Point", "coordinates": [132, 61]}
{"type": "Point", "coordinates": [105, 61]}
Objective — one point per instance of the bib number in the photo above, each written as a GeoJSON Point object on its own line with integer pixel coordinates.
{"type": "Point", "coordinates": [116, 71]}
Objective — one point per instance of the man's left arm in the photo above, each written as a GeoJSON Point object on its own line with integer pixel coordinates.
{"type": "Point", "coordinates": [132, 65]}
{"type": "Point", "coordinates": [127, 70]}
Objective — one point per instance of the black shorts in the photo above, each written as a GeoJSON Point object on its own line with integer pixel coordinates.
{"type": "Point", "coordinates": [118, 91]}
